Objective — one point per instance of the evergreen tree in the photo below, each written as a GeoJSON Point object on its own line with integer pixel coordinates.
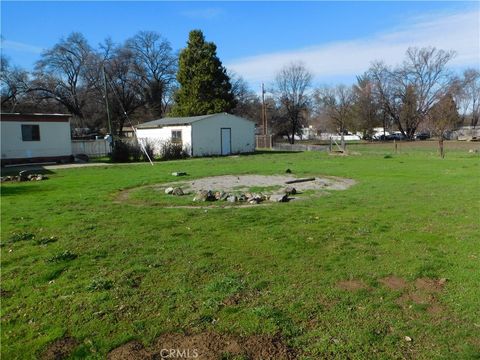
{"type": "Point", "coordinates": [205, 87]}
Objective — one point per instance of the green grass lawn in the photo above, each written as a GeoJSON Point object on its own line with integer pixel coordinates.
{"type": "Point", "coordinates": [75, 262]}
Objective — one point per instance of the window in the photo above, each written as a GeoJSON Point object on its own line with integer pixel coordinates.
{"type": "Point", "coordinates": [31, 132]}
{"type": "Point", "coordinates": [177, 136]}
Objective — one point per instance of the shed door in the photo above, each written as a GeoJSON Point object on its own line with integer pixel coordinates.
{"type": "Point", "coordinates": [226, 140]}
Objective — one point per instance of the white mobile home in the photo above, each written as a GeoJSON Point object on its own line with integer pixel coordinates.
{"type": "Point", "coordinates": [215, 134]}
{"type": "Point", "coordinates": [28, 138]}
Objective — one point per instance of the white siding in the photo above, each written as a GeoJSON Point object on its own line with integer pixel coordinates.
{"type": "Point", "coordinates": [206, 135]}
{"type": "Point", "coordinates": [157, 136]}
{"type": "Point", "coordinates": [54, 140]}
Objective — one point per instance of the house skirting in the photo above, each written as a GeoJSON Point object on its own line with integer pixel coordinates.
{"type": "Point", "coordinates": [41, 159]}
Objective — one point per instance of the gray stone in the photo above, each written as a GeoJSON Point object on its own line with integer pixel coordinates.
{"type": "Point", "coordinates": [169, 190]}
{"type": "Point", "coordinates": [224, 196]}
{"type": "Point", "coordinates": [40, 177]}
{"type": "Point", "coordinates": [177, 191]}
{"type": "Point", "coordinates": [279, 197]}
{"type": "Point", "coordinates": [204, 195]}
{"type": "Point", "coordinates": [290, 190]}
{"type": "Point", "coordinates": [242, 197]}
{"type": "Point", "coordinates": [179, 174]}
{"type": "Point", "coordinates": [232, 198]}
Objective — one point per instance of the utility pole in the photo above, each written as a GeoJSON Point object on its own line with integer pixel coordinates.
{"type": "Point", "coordinates": [106, 100]}
{"type": "Point", "coordinates": [264, 113]}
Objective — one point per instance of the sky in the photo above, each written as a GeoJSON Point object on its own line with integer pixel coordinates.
{"type": "Point", "coordinates": [335, 40]}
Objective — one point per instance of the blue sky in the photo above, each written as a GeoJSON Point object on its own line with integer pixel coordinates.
{"type": "Point", "coordinates": [335, 40]}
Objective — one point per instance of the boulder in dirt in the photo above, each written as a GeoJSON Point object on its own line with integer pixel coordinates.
{"type": "Point", "coordinates": [232, 198]}
{"type": "Point", "coordinates": [177, 191]}
{"type": "Point", "coordinates": [290, 190]}
{"type": "Point", "coordinates": [204, 195]}
{"type": "Point", "coordinates": [279, 197]}
{"type": "Point", "coordinates": [169, 190]}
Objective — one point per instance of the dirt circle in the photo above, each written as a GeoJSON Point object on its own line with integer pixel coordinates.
{"type": "Point", "coordinates": [266, 184]}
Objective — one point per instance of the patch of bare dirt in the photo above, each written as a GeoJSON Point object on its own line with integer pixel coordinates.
{"type": "Point", "coordinates": [351, 285]}
{"type": "Point", "coordinates": [60, 349]}
{"type": "Point", "coordinates": [206, 346]}
{"type": "Point", "coordinates": [429, 285]}
{"type": "Point", "coordinates": [424, 292]}
{"type": "Point", "coordinates": [233, 183]}
{"type": "Point", "coordinates": [394, 283]}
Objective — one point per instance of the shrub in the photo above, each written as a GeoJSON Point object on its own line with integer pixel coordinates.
{"type": "Point", "coordinates": [125, 151]}
{"type": "Point", "coordinates": [120, 152]}
{"type": "Point", "coordinates": [172, 151]}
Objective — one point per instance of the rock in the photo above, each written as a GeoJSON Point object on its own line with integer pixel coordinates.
{"type": "Point", "coordinates": [224, 196]}
{"type": "Point", "coordinates": [248, 195]}
{"type": "Point", "coordinates": [179, 174]}
{"type": "Point", "coordinates": [39, 177]}
{"type": "Point", "coordinates": [290, 190]}
{"type": "Point", "coordinates": [279, 197]}
{"type": "Point", "coordinates": [169, 190]}
{"type": "Point", "coordinates": [204, 195]}
{"type": "Point", "coordinates": [219, 195]}
{"type": "Point", "coordinates": [408, 338]}
{"type": "Point", "coordinates": [177, 191]}
{"type": "Point", "coordinates": [242, 197]}
{"type": "Point", "coordinates": [254, 201]}
{"type": "Point", "coordinates": [473, 151]}
{"type": "Point", "coordinates": [232, 198]}
{"type": "Point", "coordinates": [23, 176]}
{"type": "Point", "coordinates": [288, 171]}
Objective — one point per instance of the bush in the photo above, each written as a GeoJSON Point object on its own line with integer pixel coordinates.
{"type": "Point", "coordinates": [120, 152]}
{"type": "Point", "coordinates": [125, 151]}
{"type": "Point", "coordinates": [172, 151]}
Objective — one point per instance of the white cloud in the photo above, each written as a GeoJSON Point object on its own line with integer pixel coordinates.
{"type": "Point", "coordinates": [458, 32]}
{"type": "Point", "coordinates": [203, 14]}
{"type": "Point", "coordinates": [18, 46]}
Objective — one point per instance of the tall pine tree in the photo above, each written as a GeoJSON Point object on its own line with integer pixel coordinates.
{"type": "Point", "coordinates": [205, 87]}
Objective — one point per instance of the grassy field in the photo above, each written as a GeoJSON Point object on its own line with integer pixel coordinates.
{"type": "Point", "coordinates": [347, 275]}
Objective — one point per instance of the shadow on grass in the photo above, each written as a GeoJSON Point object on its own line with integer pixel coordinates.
{"type": "Point", "coordinates": [14, 189]}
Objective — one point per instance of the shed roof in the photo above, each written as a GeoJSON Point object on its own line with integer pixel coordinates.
{"type": "Point", "coordinates": [35, 117]}
{"type": "Point", "coordinates": [172, 121]}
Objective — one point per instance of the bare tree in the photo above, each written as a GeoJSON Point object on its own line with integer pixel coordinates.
{"type": "Point", "coordinates": [466, 91]}
{"type": "Point", "coordinates": [367, 113]}
{"type": "Point", "coordinates": [14, 83]}
{"type": "Point", "coordinates": [425, 70]}
{"type": "Point", "coordinates": [337, 104]}
{"type": "Point", "coordinates": [444, 117]}
{"type": "Point", "coordinates": [61, 74]}
{"type": "Point", "coordinates": [156, 66]}
{"type": "Point", "coordinates": [291, 86]}
{"type": "Point", "coordinates": [247, 102]}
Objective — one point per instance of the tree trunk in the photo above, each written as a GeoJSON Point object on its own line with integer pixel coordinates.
{"type": "Point", "coordinates": [440, 145]}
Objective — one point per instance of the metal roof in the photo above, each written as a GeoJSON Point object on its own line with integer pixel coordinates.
{"type": "Point", "coordinates": [175, 121]}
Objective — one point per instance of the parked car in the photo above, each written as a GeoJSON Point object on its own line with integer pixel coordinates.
{"type": "Point", "coordinates": [422, 136]}
{"type": "Point", "coordinates": [396, 136]}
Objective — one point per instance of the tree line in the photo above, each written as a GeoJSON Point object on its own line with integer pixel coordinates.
{"type": "Point", "coordinates": [144, 79]}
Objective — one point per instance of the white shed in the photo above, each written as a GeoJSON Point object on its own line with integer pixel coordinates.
{"type": "Point", "coordinates": [35, 138]}
{"type": "Point", "coordinates": [215, 134]}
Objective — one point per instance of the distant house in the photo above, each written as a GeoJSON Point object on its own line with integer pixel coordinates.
{"type": "Point", "coordinates": [29, 138]}
{"type": "Point", "coordinates": [215, 134]}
